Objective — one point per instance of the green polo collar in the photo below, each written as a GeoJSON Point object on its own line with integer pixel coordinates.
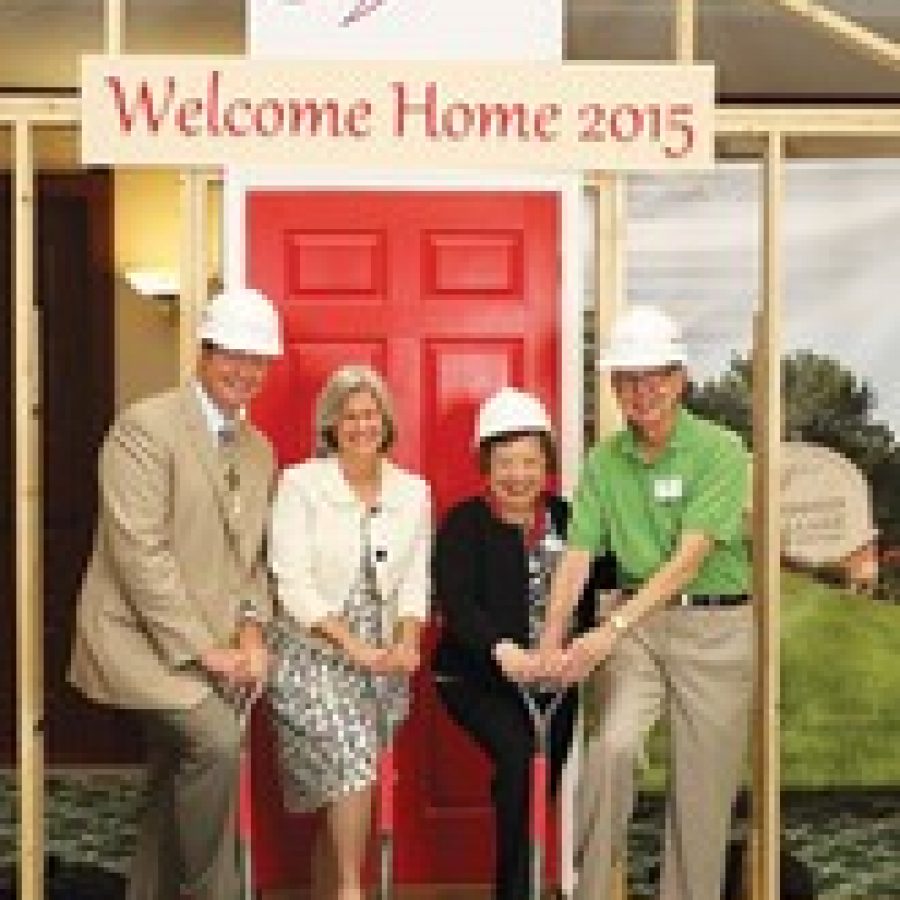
{"type": "Point", "coordinates": [677, 438]}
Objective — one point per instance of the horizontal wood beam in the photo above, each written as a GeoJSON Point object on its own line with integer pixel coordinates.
{"type": "Point", "coordinates": [874, 121]}
{"type": "Point", "coordinates": [851, 34]}
{"type": "Point", "coordinates": [863, 121]}
{"type": "Point", "coordinates": [40, 110]}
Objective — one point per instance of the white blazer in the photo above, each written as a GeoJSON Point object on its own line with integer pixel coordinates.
{"type": "Point", "coordinates": [316, 540]}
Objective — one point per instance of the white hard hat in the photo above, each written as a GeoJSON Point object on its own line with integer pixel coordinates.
{"type": "Point", "coordinates": [508, 411]}
{"type": "Point", "coordinates": [643, 337]}
{"type": "Point", "coordinates": [242, 319]}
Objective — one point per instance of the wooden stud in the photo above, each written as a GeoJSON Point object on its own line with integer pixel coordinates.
{"type": "Point", "coordinates": [610, 220]}
{"type": "Point", "coordinates": [876, 47]}
{"type": "Point", "coordinates": [193, 266]}
{"type": "Point", "coordinates": [766, 825]}
{"type": "Point", "coordinates": [114, 27]}
{"type": "Point", "coordinates": [29, 618]}
{"type": "Point", "coordinates": [685, 30]}
{"type": "Point", "coordinates": [610, 271]}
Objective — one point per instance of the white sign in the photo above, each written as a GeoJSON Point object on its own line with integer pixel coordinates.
{"type": "Point", "coordinates": [826, 505]}
{"type": "Point", "coordinates": [180, 110]}
{"type": "Point", "coordinates": [406, 29]}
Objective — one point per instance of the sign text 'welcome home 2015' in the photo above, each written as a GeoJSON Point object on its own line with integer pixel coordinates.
{"type": "Point", "coordinates": [191, 111]}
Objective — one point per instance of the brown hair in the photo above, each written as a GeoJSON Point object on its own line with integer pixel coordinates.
{"type": "Point", "coordinates": [486, 447]}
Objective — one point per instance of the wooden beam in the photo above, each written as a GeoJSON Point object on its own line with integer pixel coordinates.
{"type": "Point", "coordinates": [114, 27]}
{"type": "Point", "coordinates": [862, 121]}
{"type": "Point", "coordinates": [685, 30]}
{"type": "Point", "coordinates": [47, 110]}
{"type": "Point", "coordinates": [767, 433]}
{"type": "Point", "coordinates": [836, 121]}
{"type": "Point", "coordinates": [610, 272]}
{"type": "Point", "coordinates": [29, 619]}
{"type": "Point", "coordinates": [851, 34]}
{"type": "Point", "coordinates": [193, 266]}
{"type": "Point", "coordinates": [610, 221]}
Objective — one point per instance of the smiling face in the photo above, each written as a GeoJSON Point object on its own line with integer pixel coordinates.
{"type": "Point", "coordinates": [517, 469]}
{"type": "Point", "coordinates": [231, 378]}
{"type": "Point", "coordinates": [649, 398]}
{"type": "Point", "coordinates": [360, 427]}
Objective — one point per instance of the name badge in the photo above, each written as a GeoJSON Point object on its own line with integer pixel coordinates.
{"type": "Point", "coordinates": [667, 489]}
{"type": "Point", "coordinates": [553, 542]}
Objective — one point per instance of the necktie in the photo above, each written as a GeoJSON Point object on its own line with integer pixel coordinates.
{"type": "Point", "coordinates": [227, 435]}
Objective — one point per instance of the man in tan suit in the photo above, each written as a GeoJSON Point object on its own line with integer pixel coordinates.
{"type": "Point", "coordinates": [176, 590]}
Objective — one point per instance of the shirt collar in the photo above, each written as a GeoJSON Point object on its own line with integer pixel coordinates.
{"type": "Point", "coordinates": [676, 438]}
{"type": "Point", "coordinates": [216, 420]}
{"type": "Point", "coordinates": [338, 490]}
{"type": "Point", "coordinates": [538, 526]}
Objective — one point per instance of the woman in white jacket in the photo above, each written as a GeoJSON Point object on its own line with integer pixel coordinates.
{"type": "Point", "coordinates": [350, 548]}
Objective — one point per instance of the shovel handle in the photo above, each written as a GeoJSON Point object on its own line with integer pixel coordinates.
{"type": "Point", "coordinates": [386, 784]}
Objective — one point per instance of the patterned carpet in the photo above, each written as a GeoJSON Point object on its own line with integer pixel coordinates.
{"type": "Point", "coordinates": [851, 842]}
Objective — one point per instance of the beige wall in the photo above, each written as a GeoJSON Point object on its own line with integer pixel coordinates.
{"type": "Point", "coordinates": [148, 236]}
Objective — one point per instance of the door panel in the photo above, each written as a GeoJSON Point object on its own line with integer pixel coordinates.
{"type": "Point", "coordinates": [450, 295]}
{"type": "Point", "coordinates": [459, 375]}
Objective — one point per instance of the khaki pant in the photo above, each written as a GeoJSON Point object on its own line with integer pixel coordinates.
{"type": "Point", "coordinates": [695, 665]}
{"type": "Point", "coordinates": [186, 842]}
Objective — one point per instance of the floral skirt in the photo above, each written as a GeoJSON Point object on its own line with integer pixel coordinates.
{"type": "Point", "coordinates": [332, 718]}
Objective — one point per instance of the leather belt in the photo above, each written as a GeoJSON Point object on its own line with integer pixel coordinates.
{"type": "Point", "coordinates": [710, 600]}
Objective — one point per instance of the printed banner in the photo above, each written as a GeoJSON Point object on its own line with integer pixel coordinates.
{"type": "Point", "coordinates": [176, 110]}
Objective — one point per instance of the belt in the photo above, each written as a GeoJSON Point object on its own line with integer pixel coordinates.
{"type": "Point", "coordinates": [710, 599]}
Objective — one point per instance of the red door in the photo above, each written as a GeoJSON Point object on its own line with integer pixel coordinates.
{"type": "Point", "coordinates": [450, 295]}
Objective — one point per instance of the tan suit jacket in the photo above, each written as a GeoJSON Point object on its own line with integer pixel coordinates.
{"type": "Point", "coordinates": [178, 554]}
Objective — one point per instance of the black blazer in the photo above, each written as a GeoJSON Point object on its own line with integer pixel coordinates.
{"type": "Point", "coordinates": [480, 574]}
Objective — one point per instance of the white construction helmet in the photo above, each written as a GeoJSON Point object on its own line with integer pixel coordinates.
{"type": "Point", "coordinates": [643, 337]}
{"type": "Point", "coordinates": [242, 319]}
{"type": "Point", "coordinates": [511, 410]}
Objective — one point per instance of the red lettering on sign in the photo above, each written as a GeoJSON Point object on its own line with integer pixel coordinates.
{"type": "Point", "coordinates": [143, 104]}
{"type": "Point", "coordinates": [461, 119]}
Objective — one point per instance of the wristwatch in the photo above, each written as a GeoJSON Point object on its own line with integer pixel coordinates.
{"type": "Point", "coordinates": [618, 623]}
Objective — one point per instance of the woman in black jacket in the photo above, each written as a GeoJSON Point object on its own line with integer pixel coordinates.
{"type": "Point", "coordinates": [494, 556]}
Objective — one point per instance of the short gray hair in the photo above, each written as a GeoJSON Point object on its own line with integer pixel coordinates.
{"type": "Point", "coordinates": [341, 384]}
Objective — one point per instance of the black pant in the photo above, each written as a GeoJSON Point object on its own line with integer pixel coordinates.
{"type": "Point", "coordinates": [497, 719]}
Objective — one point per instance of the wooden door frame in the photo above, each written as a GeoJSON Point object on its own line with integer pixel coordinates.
{"type": "Point", "coordinates": [572, 241]}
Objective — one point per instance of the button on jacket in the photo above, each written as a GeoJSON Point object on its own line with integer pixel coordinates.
{"type": "Point", "coordinates": [317, 534]}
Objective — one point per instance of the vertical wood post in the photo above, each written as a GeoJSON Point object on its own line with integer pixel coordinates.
{"type": "Point", "coordinates": [113, 26]}
{"type": "Point", "coordinates": [685, 30]}
{"type": "Point", "coordinates": [29, 617]}
{"type": "Point", "coordinates": [193, 266]}
{"type": "Point", "coordinates": [767, 430]}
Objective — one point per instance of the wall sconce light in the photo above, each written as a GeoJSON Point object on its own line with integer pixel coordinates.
{"type": "Point", "coordinates": [155, 284]}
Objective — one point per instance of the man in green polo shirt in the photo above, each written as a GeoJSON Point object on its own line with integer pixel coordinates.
{"type": "Point", "coordinates": [668, 496]}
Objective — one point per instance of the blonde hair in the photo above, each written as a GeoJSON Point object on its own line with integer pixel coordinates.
{"type": "Point", "coordinates": [341, 384]}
